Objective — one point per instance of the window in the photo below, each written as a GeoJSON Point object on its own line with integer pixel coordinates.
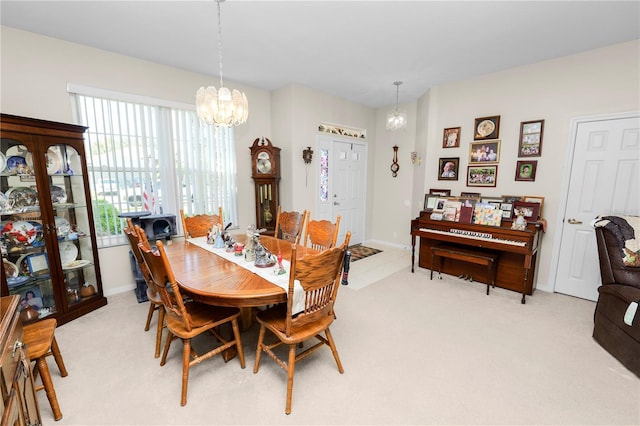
{"type": "Point", "coordinates": [159, 158]}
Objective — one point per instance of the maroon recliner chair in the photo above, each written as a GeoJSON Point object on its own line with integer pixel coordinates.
{"type": "Point", "coordinates": [620, 286]}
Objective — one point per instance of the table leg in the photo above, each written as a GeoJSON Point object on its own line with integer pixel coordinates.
{"type": "Point", "coordinates": [246, 318]}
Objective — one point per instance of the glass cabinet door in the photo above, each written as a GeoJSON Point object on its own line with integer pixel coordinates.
{"type": "Point", "coordinates": [45, 228]}
{"type": "Point", "coordinates": [71, 223]}
{"type": "Point", "coordinates": [25, 255]}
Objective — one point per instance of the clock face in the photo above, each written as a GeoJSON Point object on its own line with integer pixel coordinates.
{"type": "Point", "coordinates": [263, 163]}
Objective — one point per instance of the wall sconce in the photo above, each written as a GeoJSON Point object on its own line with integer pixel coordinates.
{"type": "Point", "coordinates": [307, 154]}
{"type": "Point", "coordinates": [415, 158]}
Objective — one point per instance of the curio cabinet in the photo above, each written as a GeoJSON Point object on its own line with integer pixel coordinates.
{"type": "Point", "coordinates": [49, 251]}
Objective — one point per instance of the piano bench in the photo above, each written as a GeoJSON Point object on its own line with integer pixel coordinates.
{"type": "Point", "coordinates": [489, 260]}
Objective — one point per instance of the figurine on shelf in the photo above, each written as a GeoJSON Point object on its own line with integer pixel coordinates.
{"type": "Point", "coordinates": [218, 242]}
{"type": "Point", "coordinates": [264, 258]}
{"type": "Point", "coordinates": [211, 235]}
{"type": "Point", "coordinates": [87, 290]}
{"type": "Point", "coordinates": [520, 224]}
{"type": "Point", "coordinates": [249, 254]}
{"type": "Point", "coordinates": [68, 170]}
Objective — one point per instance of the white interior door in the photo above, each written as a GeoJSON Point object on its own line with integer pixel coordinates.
{"type": "Point", "coordinates": [347, 187]}
{"type": "Point", "coordinates": [603, 181]}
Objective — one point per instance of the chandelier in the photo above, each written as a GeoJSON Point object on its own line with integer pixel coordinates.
{"type": "Point", "coordinates": [221, 107]}
{"type": "Point", "coordinates": [396, 120]}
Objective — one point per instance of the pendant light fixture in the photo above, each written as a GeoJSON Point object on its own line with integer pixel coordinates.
{"type": "Point", "coordinates": [221, 107]}
{"type": "Point", "coordinates": [396, 120]}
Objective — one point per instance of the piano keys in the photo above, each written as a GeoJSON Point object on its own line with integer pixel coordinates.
{"type": "Point", "coordinates": [517, 250]}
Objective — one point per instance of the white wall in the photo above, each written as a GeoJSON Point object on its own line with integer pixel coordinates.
{"type": "Point", "coordinates": [36, 70]}
{"type": "Point", "coordinates": [594, 82]}
{"type": "Point", "coordinates": [33, 83]}
{"type": "Point", "coordinates": [297, 111]}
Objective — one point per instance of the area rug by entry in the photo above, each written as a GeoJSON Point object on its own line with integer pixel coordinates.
{"type": "Point", "coordinates": [358, 251]}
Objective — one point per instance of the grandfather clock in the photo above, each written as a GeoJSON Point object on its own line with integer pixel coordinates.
{"type": "Point", "coordinates": [265, 171]}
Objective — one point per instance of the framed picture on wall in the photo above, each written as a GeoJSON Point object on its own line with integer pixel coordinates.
{"type": "Point", "coordinates": [486, 128]}
{"type": "Point", "coordinates": [448, 168]}
{"type": "Point", "coordinates": [530, 143]}
{"type": "Point", "coordinates": [451, 137]}
{"type": "Point", "coordinates": [484, 152]}
{"type": "Point", "coordinates": [486, 175]}
{"type": "Point", "coordinates": [526, 170]}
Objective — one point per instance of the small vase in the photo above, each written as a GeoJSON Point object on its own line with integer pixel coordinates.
{"type": "Point", "coordinates": [87, 290]}
{"type": "Point", "coordinates": [28, 314]}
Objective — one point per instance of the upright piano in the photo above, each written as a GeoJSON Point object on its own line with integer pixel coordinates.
{"type": "Point", "coordinates": [517, 250]}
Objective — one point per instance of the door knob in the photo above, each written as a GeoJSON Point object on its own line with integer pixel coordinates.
{"type": "Point", "coordinates": [572, 221]}
{"type": "Point", "coordinates": [335, 203]}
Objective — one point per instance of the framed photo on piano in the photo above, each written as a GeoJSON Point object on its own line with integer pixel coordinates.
{"type": "Point", "coordinates": [512, 198]}
{"type": "Point", "coordinates": [440, 192]}
{"type": "Point", "coordinates": [530, 211]}
{"type": "Point", "coordinates": [536, 199]}
{"type": "Point", "coordinates": [430, 202]}
{"type": "Point", "coordinates": [475, 195]}
{"type": "Point", "coordinates": [507, 210]}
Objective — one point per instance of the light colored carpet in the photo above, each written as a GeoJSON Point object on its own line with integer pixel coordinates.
{"type": "Point", "coordinates": [415, 351]}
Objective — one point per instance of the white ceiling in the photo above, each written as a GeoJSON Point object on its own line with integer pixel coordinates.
{"type": "Point", "coordinates": [351, 49]}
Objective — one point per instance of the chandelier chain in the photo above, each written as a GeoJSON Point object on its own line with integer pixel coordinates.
{"type": "Point", "coordinates": [397, 84]}
{"type": "Point", "coordinates": [219, 41]}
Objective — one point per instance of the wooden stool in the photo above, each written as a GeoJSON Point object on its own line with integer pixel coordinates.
{"type": "Point", "coordinates": [40, 340]}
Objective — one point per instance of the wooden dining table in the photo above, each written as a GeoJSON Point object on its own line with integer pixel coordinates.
{"type": "Point", "coordinates": [212, 279]}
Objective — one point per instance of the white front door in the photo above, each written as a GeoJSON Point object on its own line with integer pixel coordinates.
{"type": "Point", "coordinates": [343, 184]}
{"type": "Point", "coordinates": [603, 180]}
{"type": "Point", "coordinates": [348, 175]}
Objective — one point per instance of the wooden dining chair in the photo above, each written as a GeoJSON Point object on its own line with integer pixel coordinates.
{"type": "Point", "coordinates": [199, 225]}
{"type": "Point", "coordinates": [40, 341]}
{"type": "Point", "coordinates": [135, 234]}
{"type": "Point", "coordinates": [289, 225]}
{"type": "Point", "coordinates": [186, 320]}
{"type": "Point", "coordinates": [319, 276]}
{"type": "Point", "coordinates": [321, 234]}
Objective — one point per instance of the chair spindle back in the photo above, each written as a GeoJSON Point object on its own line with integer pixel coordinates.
{"type": "Point", "coordinates": [162, 276]}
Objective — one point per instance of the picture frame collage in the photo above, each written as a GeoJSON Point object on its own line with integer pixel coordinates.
{"type": "Point", "coordinates": [472, 207]}
{"type": "Point", "coordinates": [484, 152]}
